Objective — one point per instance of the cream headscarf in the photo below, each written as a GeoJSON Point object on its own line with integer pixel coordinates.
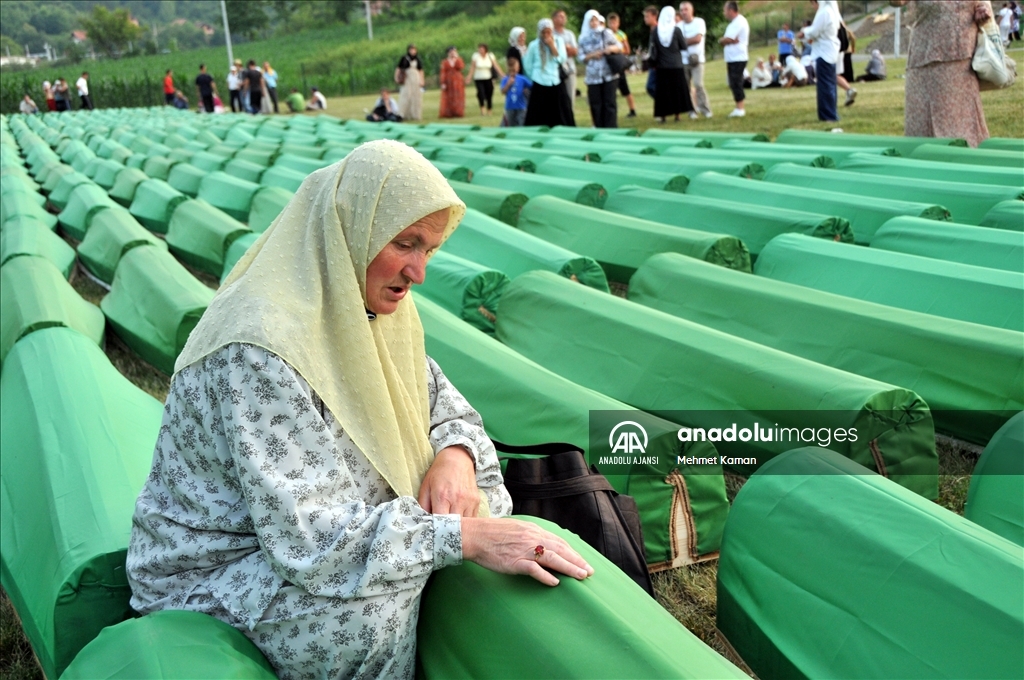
{"type": "Point", "coordinates": [666, 25]}
{"type": "Point", "coordinates": [300, 293]}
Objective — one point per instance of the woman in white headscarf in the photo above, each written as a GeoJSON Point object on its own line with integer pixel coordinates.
{"type": "Point", "coordinates": [314, 466]}
{"type": "Point", "coordinates": [516, 44]}
{"type": "Point", "coordinates": [595, 43]}
{"type": "Point", "coordinates": [671, 90]}
{"type": "Point", "coordinates": [549, 100]}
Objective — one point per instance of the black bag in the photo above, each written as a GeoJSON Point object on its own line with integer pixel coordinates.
{"type": "Point", "coordinates": [555, 484]}
{"type": "Point", "coordinates": [617, 63]}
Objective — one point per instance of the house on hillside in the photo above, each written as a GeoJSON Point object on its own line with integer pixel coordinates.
{"type": "Point", "coordinates": [79, 37]}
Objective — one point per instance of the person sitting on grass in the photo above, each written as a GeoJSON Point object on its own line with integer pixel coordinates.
{"type": "Point", "coordinates": [180, 101]}
{"type": "Point", "coordinates": [384, 109]}
{"type": "Point", "coordinates": [28, 106]}
{"type": "Point", "coordinates": [875, 69]}
{"type": "Point", "coordinates": [295, 101]}
{"type": "Point", "coordinates": [794, 75]}
{"type": "Point", "coordinates": [760, 77]}
{"type": "Point", "coordinates": [317, 100]}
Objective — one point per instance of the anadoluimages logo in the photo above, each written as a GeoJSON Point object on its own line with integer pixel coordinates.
{"type": "Point", "coordinates": [629, 438]}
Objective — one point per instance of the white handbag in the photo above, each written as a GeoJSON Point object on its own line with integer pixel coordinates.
{"type": "Point", "coordinates": [995, 70]}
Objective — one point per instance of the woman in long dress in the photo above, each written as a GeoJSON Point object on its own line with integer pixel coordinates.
{"type": "Point", "coordinates": [409, 76]}
{"type": "Point", "coordinates": [453, 87]}
{"type": "Point", "coordinates": [549, 100]}
{"type": "Point", "coordinates": [671, 89]}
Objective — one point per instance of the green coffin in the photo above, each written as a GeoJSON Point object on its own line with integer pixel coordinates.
{"type": "Point", "coordinates": [991, 297]}
{"type": "Point", "coordinates": [905, 145]}
{"type": "Point", "coordinates": [186, 177]}
{"type": "Point", "coordinates": [112, 234]}
{"type": "Point", "coordinates": [34, 295]}
{"type": "Point", "coordinates": [685, 372]}
{"type": "Point", "coordinates": [753, 225]}
{"type": "Point", "coordinates": [230, 194]}
{"type": "Point", "coordinates": [303, 164]}
{"type": "Point", "coordinates": [580, 191]}
{"type": "Point", "coordinates": [466, 289]}
{"type": "Point", "coordinates": [282, 177]}
{"type": "Point", "coordinates": [255, 156]}
{"type": "Point", "coordinates": [522, 149]}
{"type": "Point", "coordinates": [61, 193]}
{"type": "Point", "coordinates": [78, 442]}
{"type": "Point", "coordinates": [971, 376]}
{"type": "Point", "coordinates": [236, 250]}
{"type": "Point", "coordinates": [85, 201]}
{"type": "Point", "coordinates": [611, 177]}
{"type": "Point", "coordinates": [22, 205]}
{"type": "Point", "coordinates": [686, 167]}
{"type": "Point", "coordinates": [243, 169]}
{"type": "Point", "coordinates": [523, 404]}
{"type": "Point", "coordinates": [474, 160]}
{"type": "Point", "coordinates": [952, 154]}
{"type": "Point", "coordinates": [865, 216]}
{"type": "Point", "coordinates": [604, 627]}
{"type": "Point", "coordinates": [454, 171]}
{"type": "Point", "coordinates": [267, 204]}
{"type": "Point", "coordinates": [716, 138]}
{"type": "Point", "coordinates": [838, 154]}
{"type": "Point", "coordinates": [769, 156]}
{"type": "Point", "coordinates": [210, 162]}
{"type": "Point", "coordinates": [154, 203]}
{"type": "Point", "coordinates": [621, 243]}
{"type": "Point", "coordinates": [497, 203]}
{"type": "Point", "coordinates": [32, 238]}
{"type": "Point", "coordinates": [200, 235]}
{"type": "Point", "coordinates": [995, 499]}
{"type": "Point", "coordinates": [830, 571]}
{"type": "Point", "coordinates": [1003, 144]}
{"type": "Point", "coordinates": [50, 178]}
{"type": "Point", "coordinates": [106, 173]}
{"type": "Point", "coordinates": [494, 244]}
{"type": "Point", "coordinates": [153, 304]}
{"type": "Point", "coordinates": [125, 185]}
{"type": "Point", "coordinates": [1006, 215]}
{"type": "Point", "coordinates": [967, 203]}
{"type": "Point", "coordinates": [575, 149]}
{"type": "Point", "coordinates": [933, 170]}
{"type": "Point", "coordinates": [964, 243]}
{"type": "Point", "coordinates": [158, 167]}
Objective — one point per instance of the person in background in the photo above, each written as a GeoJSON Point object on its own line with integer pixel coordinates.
{"type": "Point", "coordinates": [235, 88]}
{"type": "Point", "coordinates": [735, 40]}
{"type": "Point", "coordinates": [1006, 23]}
{"type": "Point", "coordinates": [218, 105]}
{"type": "Point", "coordinates": [179, 101]}
{"type": "Point", "coordinates": [620, 35]}
{"type": "Point", "coordinates": [270, 80]}
{"type": "Point", "coordinates": [1015, 6]}
{"type": "Point", "coordinates": [82, 84]}
{"type": "Point", "coordinates": [51, 103]}
{"type": "Point", "coordinates": [694, 29]}
{"type": "Point", "coordinates": [206, 88]}
{"type": "Point", "coordinates": [28, 106]}
{"type": "Point", "coordinates": [252, 83]}
{"type": "Point", "coordinates": [805, 46]}
{"type": "Point", "coordinates": [62, 95]}
{"type": "Point", "coordinates": [847, 46]}
{"type": "Point", "coordinates": [823, 36]}
{"type": "Point", "coordinates": [787, 40]}
{"type": "Point", "coordinates": [483, 69]}
{"type": "Point", "coordinates": [317, 100]}
{"type": "Point", "coordinates": [453, 88]}
{"type": "Point", "coordinates": [169, 87]}
{"type": "Point", "coordinates": [549, 99]}
{"type": "Point", "coordinates": [794, 75]}
{"type": "Point", "coordinates": [671, 91]}
{"type": "Point", "coordinates": [409, 76]}
{"type": "Point", "coordinates": [385, 109]}
{"type": "Point", "coordinates": [775, 68]}
{"type": "Point", "coordinates": [651, 22]}
{"type": "Point", "coordinates": [875, 69]}
{"type": "Point", "coordinates": [558, 19]}
{"type": "Point", "coordinates": [516, 88]}
{"type": "Point", "coordinates": [595, 42]}
{"type": "Point", "coordinates": [760, 77]}
{"type": "Point", "coordinates": [808, 65]}
{"type": "Point", "coordinates": [295, 101]}
{"type": "Point", "coordinates": [516, 44]}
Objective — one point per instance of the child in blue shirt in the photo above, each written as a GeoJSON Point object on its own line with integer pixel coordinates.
{"type": "Point", "coordinates": [516, 88]}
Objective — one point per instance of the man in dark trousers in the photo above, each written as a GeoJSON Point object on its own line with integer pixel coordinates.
{"type": "Point", "coordinates": [252, 82]}
{"type": "Point", "coordinates": [205, 88]}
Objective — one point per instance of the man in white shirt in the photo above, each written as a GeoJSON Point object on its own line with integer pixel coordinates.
{"type": "Point", "coordinates": [558, 18]}
{"type": "Point", "coordinates": [83, 90]}
{"type": "Point", "coordinates": [823, 35]}
{"type": "Point", "coordinates": [694, 30]}
{"type": "Point", "coordinates": [736, 39]}
{"type": "Point", "coordinates": [317, 100]}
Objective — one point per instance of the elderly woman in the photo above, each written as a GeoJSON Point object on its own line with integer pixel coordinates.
{"type": "Point", "coordinates": [671, 89]}
{"type": "Point", "coordinates": [516, 44]}
{"type": "Point", "coordinates": [595, 43]}
{"type": "Point", "coordinates": [549, 100]}
{"type": "Point", "coordinates": [314, 465]}
{"type": "Point", "coordinates": [409, 76]}
{"type": "Point", "coordinates": [875, 69]}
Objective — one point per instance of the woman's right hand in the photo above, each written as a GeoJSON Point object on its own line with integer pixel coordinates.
{"type": "Point", "coordinates": [510, 546]}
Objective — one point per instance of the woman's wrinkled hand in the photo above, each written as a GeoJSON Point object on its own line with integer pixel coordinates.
{"type": "Point", "coordinates": [510, 546]}
{"type": "Point", "coordinates": [449, 487]}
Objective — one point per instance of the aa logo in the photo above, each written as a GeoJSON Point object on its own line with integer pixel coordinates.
{"type": "Point", "coordinates": [628, 437]}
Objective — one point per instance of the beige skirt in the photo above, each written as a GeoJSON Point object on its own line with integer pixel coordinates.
{"type": "Point", "coordinates": [410, 98]}
{"type": "Point", "coordinates": [944, 100]}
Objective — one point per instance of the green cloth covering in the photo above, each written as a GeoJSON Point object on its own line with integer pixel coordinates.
{"type": "Point", "coordinates": [971, 376]}
{"type": "Point", "coordinates": [337, 151]}
{"type": "Point", "coordinates": [933, 170]}
{"type": "Point", "coordinates": [207, 161]}
{"type": "Point", "coordinates": [687, 167]}
{"type": "Point", "coordinates": [647, 145]}
{"type": "Point", "coordinates": [136, 160]}
{"type": "Point", "coordinates": [1005, 215]}
{"type": "Point", "coordinates": [523, 404]}
{"type": "Point", "coordinates": [18, 204]}
{"type": "Point", "coordinates": [905, 145]}
{"type": "Point", "coordinates": [109, 147]}
{"type": "Point", "coordinates": [521, 149]}
{"type": "Point", "coordinates": [967, 203]}
{"type": "Point", "coordinates": [230, 194]}
{"type": "Point", "coordinates": [579, 191]}
{"type": "Point", "coordinates": [964, 243]}
{"type": "Point", "coordinates": [62, 192]}
{"type": "Point", "coordinates": [611, 177]}
{"type": "Point", "coordinates": [34, 294]}
{"type": "Point", "coordinates": [304, 150]}
{"type": "Point", "coordinates": [576, 149]}
{"type": "Point", "coordinates": [106, 173]}
{"type": "Point", "coordinates": [199, 235]}
{"type": "Point", "coordinates": [995, 499]}
{"type": "Point", "coordinates": [828, 570]}
{"type": "Point", "coordinates": [181, 155]}
{"type": "Point", "coordinates": [243, 169]}
{"type": "Point", "coordinates": [951, 154]}
{"type": "Point", "coordinates": [78, 443]}
{"type": "Point", "coordinates": [474, 160]}
{"type": "Point", "coordinates": [464, 288]}
{"type": "Point", "coordinates": [267, 204]}
{"type": "Point", "coordinates": [154, 203]}
{"type": "Point", "coordinates": [454, 171]}
{"type": "Point", "coordinates": [128, 180]}
{"type": "Point", "coordinates": [170, 645]}
{"type": "Point", "coordinates": [496, 245]}
{"type": "Point", "coordinates": [838, 154]}
{"type": "Point", "coordinates": [303, 164]}
{"type": "Point", "coordinates": [1003, 144]}
{"type": "Point", "coordinates": [716, 138]}
{"type": "Point", "coordinates": [31, 237]}
{"type": "Point", "coordinates": [992, 297]}
{"type": "Point", "coordinates": [113, 233]}
{"type": "Point", "coordinates": [256, 155]}
{"type": "Point", "coordinates": [186, 177]}
{"type": "Point", "coordinates": [153, 304]}
{"type": "Point", "coordinates": [753, 225]}
{"type": "Point", "coordinates": [158, 167]}
{"type": "Point", "coordinates": [497, 203]}
{"type": "Point", "coordinates": [85, 201]}
{"type": "Point", "coordinates": [682, 371]}
{"type": "Point", "coordinates": [51, 176]}
{"type": "Point", "coordinates": [236, 250]}
{"type": "Point", "coordinates": [92, 166]}
{"type": "Point", "coordinates": [621, 243]}
{"type": "Point", "coordinates": [769, 156]}
{"type": "Point", "coordinates": [515, 627]}
{"type": "Point", "coordinates": [282, 177]}
{"type": "Point", "coordinates": [865, 216]}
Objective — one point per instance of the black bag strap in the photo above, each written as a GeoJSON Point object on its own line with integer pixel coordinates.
{"type": "Point", "coordinates": [559, 489]}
